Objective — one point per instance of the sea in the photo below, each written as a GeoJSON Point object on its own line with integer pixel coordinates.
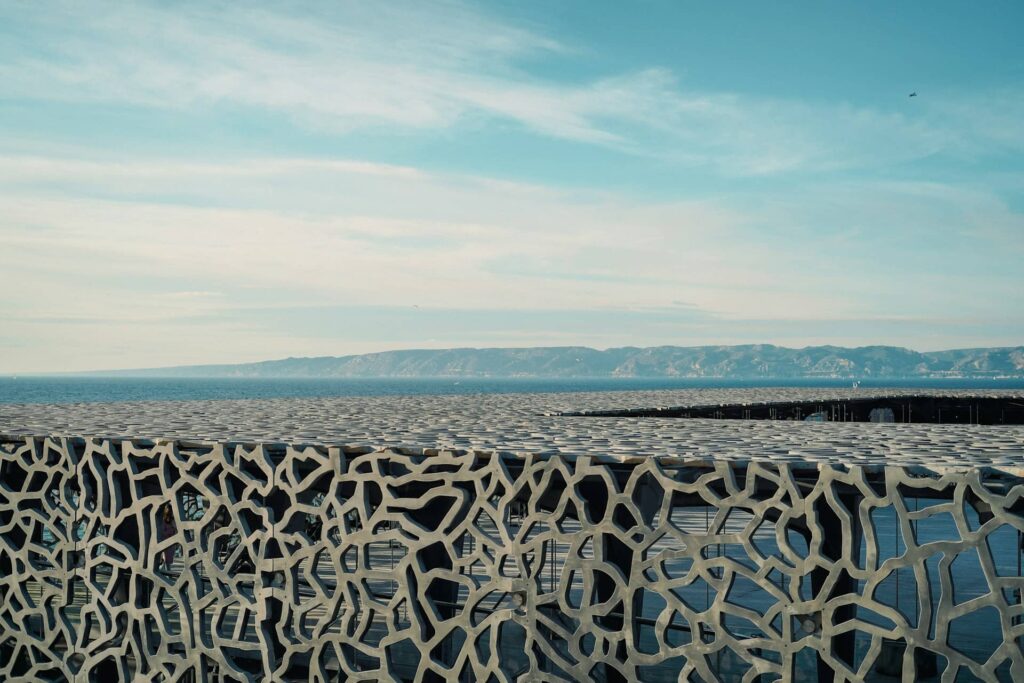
{"type": "Point", "coordinates": [52, 389]}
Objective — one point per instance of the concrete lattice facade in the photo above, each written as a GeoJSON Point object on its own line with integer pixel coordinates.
{"type": "Point", "coordinates": [331, 563]}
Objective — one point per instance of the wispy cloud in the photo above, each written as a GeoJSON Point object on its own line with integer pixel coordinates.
{"type": "Point", "coordinates": [432, 234]}
{"type": "Point", "coordinates": [458, 241]}
{"type": "Point", "coordinates": [434, 65]}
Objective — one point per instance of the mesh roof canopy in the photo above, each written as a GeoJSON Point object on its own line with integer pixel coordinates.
{"type": "Point", "coordinates": [539, 423]}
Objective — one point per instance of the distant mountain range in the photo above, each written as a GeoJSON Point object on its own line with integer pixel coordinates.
{"type": "Point", "coordinates": [739, 362]}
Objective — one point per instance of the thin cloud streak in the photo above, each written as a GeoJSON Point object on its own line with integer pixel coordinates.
{"type": "Point", "coordinates": [29, 168]}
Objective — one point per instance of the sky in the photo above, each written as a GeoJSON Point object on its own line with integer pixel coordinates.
{"type": "Point", "coordinates": [228, 182]}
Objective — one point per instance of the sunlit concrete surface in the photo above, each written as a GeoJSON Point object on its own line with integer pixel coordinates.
{"type": "Point", "coordinates": [532, 423]}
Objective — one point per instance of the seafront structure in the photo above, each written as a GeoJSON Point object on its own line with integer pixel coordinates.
{"type": "Point", "coordinates": [621, 536]}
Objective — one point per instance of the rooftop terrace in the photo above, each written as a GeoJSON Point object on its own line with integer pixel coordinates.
{"type": "Point", "coordinates": [619, 425]}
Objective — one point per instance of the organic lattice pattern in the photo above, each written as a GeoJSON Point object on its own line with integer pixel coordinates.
{"type": "Point", "coordinates": [328, 564]}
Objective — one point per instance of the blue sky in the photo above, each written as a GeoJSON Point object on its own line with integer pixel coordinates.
{"type": "Point", "coordinates": [213, 182]}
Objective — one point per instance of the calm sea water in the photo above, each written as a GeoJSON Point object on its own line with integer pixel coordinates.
{"type": "Point", "coordinates": [93, 389]}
